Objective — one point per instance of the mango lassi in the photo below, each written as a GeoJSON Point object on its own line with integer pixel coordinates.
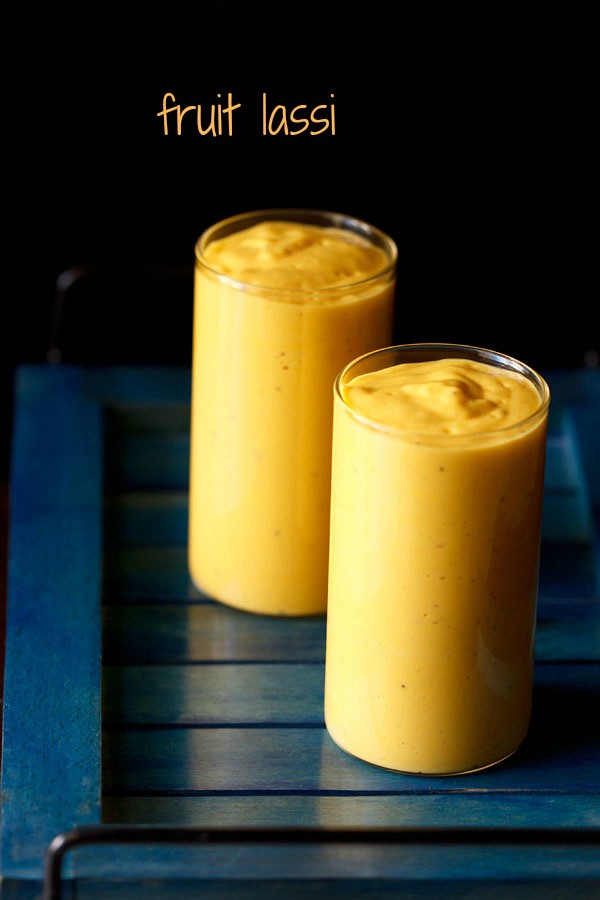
{"type": "Point", "coordinates": [437, 484]}
{"type": "Point", "coordinates": [282, 300]}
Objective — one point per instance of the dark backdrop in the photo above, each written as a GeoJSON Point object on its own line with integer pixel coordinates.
{"type": "Point", "coordinates": [473, 143]}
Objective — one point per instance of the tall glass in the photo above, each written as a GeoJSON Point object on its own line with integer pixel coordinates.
{"type": "Point", "coordinates": [266, 351]}
{"type": "Point", "coordinates": [434, 555]}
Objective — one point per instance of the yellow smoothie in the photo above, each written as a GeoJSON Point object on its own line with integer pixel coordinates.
{"type": "Point", "coordinates": [437, 484]}
{"type": "Point", "coordinates": [282, 302]}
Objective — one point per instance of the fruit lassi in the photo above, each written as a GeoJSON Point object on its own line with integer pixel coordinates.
{"type": "Point", "coordinates": [437, 484]}
{"type": "Point", "coordinates": [282, 300]}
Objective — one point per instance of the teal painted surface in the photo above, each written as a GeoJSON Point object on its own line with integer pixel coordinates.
{"type": "Point", "coordinates": [277, 889]}
{"type": "Point", "coordinates": [202, 631]}
{"type": "Point", "coordinates": [560, 756]}
{"type": "Point", "coordinates": [175, 633]}
{"type": "Point", "coordinates": [438, 807]}
{"type": "Point", "coordinates": [154, 518]}
{"type": "Point", "coordinates": [51, 722]}
{"type": "Point", "coordinates": [445, 864]}
{"type": "Point", "coordinates": [221, 694]}
{"type": "Point", "coordinates": [213, 718]}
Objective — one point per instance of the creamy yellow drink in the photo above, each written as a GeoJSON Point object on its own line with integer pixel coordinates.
{"type": "Point", "coordinates": [437, 482]}
{"type": "Point", "coordinates": [283, 300]}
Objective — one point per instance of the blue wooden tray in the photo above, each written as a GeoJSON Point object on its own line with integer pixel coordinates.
{"type": "Point", "coordinates": [138, 712]}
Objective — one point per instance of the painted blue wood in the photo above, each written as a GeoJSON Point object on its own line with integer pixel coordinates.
{"type": "Point", "coordinates": [123, 387]}
{"type": "Point", "coordinates": [535, 887]}
{"type": "Point", "coordinates": [415, 862]}
{"type": "Point", "coordinates": [296, 760]}
{"type": "Point", "coordinates": [148, 573]}
{"type": "Point", "coordinates": [561, 754]}
{"type": "Point", "coordinates": [567, 512]}
{"type": "Point", "coordinates": [206, 632]}
{"type": "Point", "coordinates": [51, 722]}
{"type": "Point", "coordinates": [258, 693]}
{"type": "Point", "coordinates": [16, 889]}
{"type": "Point", "coordinates": [567, 630]}
{"type": "Point", "coordinates": [430, 809]}
{"type": "Point", "coordinates": [156, 461]}
{"type": "Point", "coordinates": [213, 717]}
{"type": "Point", "coordinates": [579, 392]}
{"type": "Point", "coordinates": [147, 518]}
{"type": "Point", "coordinates": [160, 573]}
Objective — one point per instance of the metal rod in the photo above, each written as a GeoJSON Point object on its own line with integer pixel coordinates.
{"type": "Point", "coordinates": [124, 834]}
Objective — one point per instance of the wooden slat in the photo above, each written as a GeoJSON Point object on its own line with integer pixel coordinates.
{"type": "Point", "coordinates": [152, 387]}
{"type": "Point", "coordinates": [538, 885]}
{"type": "Point", "coordinates": [304, 760]}
{"type": "Point", "coordinates": [461, 864]}
{"type": "Point", "coordinates": [213, 717]}
{"type": "Point", "coordinates": [215, 764]}
{"type": "Point", "coordinates": [147, 573]}
{"type": "Point", "coordinates": [156, 461]}
{"type": "Point", "coordinates": [51, 726]}
{"type": "Point", "coordinates": [160, 573]}
{"type": "Point", "coordinates": [562, 754]}
{"type": "Point", "coordinates": [436, 808]}
{"type": "Point", "coordinates": [258, 693]}
{"type": "Point", "coordinates": [568, 630]}
{"type": "Point", "coordinates": [172, 633]}
{"type": "Point", "coordinates": [580, 392]}
{"type": "Point", "coordinates": [146, 518]}
{"type": "Point", "coordinates": [201, 632]}
{"type": "Point", "coordinates": [567, 571]}
{"type": "Point", "coordinates": [567, 514]}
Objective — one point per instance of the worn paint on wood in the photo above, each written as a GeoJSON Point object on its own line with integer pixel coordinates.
{"type": "Point", "coordinates": [213, 718]}
{"type": "Point", "coordinates": [51, 725]}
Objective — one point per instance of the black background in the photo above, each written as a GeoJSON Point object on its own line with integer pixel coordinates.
{"type": "Point", "coordinates": [473, 143]}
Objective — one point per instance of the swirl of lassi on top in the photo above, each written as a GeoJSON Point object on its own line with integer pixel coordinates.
{"type": "Point", "coordinates": [295, 256]}
{"type": "Point", "coordinates": [443, 397]}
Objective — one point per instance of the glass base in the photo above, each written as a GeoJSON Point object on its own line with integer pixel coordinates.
{"type": "Point", "coordinates": [257, 610]}
{"type": "Point", "coordinates": [425, 774]}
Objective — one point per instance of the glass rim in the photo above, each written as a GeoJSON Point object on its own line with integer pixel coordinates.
{"type": "Point", "coordinates": [495, 358]}
{"type": "Point", "coordinates": [311, 216]}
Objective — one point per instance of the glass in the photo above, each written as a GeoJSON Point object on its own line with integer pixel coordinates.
{"type": "Point", "coordinates": [434, 558]}
{"type": "Point", "coordinates": [265, 357]}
